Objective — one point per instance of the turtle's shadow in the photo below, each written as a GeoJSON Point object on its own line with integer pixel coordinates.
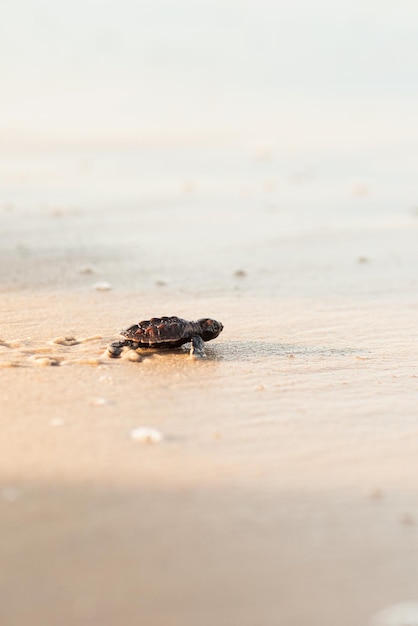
{"type": "Point", "coordinates": [250, 350]}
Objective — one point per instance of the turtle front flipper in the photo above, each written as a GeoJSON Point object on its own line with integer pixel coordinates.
{"type": "Point", "coordinates": [197, 351]}
{"type": "Point", "coordinates": [116, 348]}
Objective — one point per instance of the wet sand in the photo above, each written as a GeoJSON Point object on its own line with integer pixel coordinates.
{"type": "Point", "coordinates": [284, 489]}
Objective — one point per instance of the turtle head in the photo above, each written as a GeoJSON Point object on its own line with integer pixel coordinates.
{"type": "Point", "coordinates": [209, 329]}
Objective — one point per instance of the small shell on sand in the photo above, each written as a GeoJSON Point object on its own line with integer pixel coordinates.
{"type": "Point", "coordinates": [64, 341]}
{"type": "Point", "coordinates": [4, 364]}
{"type": "Point", "coordinates": [102, 286]}
{"type": "Point", "coordinates": [99, 402]}
{"type": "Point", "coordinates": [146, 435]}
{"type": "Point", "coordinates": [363, 259]}
{"type": "Point", "coordinates": [408, 520]}
{"type": "Point", "coordinates": [106, 379]}
{"type": "Point", "coordinates": [240, 274]}
{"type": "Point", "coordinates": [376, 494]}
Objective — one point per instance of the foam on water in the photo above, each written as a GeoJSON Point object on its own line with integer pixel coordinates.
{"type": "Point", "coordinates": [401, 614]}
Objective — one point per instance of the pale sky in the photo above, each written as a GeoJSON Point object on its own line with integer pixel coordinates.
{"type": "Point", "coordinates": [343, 71]}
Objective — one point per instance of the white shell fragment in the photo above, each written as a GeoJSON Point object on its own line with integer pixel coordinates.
{"type": "Point", "coordinates": [102, 286]}
{"type": "Point", "coordinates": [402, 614]}
{"type": "Point", "coordinates": [106, 379]}
{"type": "Point", "coordinates": [146, 435]}
{"type": "Point", "coordinates": [99, 401]}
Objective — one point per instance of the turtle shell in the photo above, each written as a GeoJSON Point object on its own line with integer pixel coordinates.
{"type": "Point", "coordinates": [167, 332]}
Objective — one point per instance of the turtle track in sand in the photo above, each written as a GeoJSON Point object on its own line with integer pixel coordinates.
{"type": "Point", "coordinates": [66, 350]}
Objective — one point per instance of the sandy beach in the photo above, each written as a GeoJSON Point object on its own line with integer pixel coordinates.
{"type": "Point", "coordinates": [284, 488]}
{"type": "Point", "coordinates": [254, 163]}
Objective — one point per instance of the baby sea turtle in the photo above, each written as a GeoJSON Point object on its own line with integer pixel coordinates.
{"type": "Point", "coordinates": [167, 332]}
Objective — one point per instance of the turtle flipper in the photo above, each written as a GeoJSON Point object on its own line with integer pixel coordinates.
{"type": "Point", "coordinates": [197, 351]}
{"type": "Point", "coordinates": [116, 348]}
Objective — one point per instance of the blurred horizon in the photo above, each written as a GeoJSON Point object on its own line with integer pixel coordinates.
{"type": "Point", "coordinates": [290, 74]}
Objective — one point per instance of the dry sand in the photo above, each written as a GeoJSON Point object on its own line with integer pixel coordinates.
{"type": "Point", "coordinates": [284, 491]}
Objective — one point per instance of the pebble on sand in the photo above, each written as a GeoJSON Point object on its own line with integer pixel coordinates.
{"type": "Point", "coordinates": [363, 260]}
{"type": "Point", "coordinates": [408, 519]}
{"type": "Point", "coordinates": [376, 494]}
{"type": "Point", "coordinates": [240, 273]}
{"type": "Point", "coordinates": [146, 435]}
